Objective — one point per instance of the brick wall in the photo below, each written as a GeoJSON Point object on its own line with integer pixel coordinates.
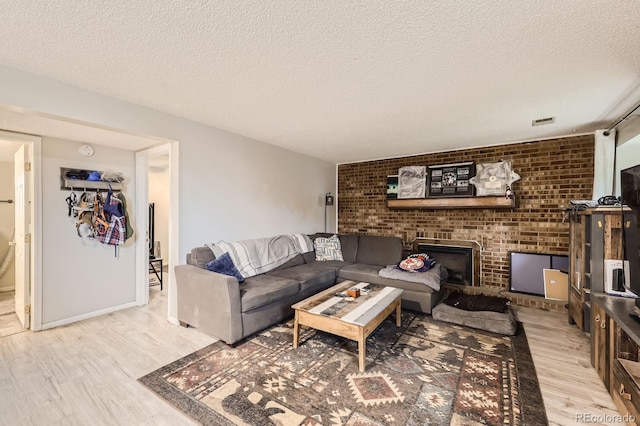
{"type": "Point", "coordinates": [552, 173]}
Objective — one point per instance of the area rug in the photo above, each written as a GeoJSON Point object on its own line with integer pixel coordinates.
{"type": "Point", "coordinates": [422, 373]}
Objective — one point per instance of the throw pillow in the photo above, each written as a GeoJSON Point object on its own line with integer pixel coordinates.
{"type": "Point", "coordinates": [328, 248]}
{"type": "Point", "coordinates": [420, 262]}
{"type": "Point", "coordinates": [224, 265]}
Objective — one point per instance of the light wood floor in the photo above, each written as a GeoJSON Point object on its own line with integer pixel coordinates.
{"type": "Point", "coordinates": [85, 373]}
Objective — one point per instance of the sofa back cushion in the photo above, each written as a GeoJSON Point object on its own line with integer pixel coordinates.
{"type": "Point", "coordinates": [349, 244]}
{"type": "Point", "coordinates": [378, 250]}
{"type": "Point", "coordinates": [298, 260]}
{"type": "Point", "coordinates": [200, 256]}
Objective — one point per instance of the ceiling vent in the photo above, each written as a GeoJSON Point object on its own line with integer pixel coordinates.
{"type": "Point", "coordinates": [541, 121]}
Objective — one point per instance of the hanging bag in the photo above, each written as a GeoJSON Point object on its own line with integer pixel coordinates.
{"type": "Point", "coordinates": [111, 222]}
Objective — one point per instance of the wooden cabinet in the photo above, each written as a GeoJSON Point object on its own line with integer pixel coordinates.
{"type": "Point", "coordinates": [615, 352]}
{"type": "Point", "coordinates": [594, 235]}
{"type": "Point", "coordinates": [600, 342]}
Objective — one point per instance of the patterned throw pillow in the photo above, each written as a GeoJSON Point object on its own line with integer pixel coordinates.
{"type": "Point", "coordinates": [328, 248]}
{"type": "Point", "coordinates": [224, 265]}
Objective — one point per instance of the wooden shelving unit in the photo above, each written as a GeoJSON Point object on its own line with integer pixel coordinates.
{"type": "Point", "coordinates": [615, 352]}
{"type": "Point", "coordinates": [453, 203]}
{"type": "Point", "coordinates": [595, 234]}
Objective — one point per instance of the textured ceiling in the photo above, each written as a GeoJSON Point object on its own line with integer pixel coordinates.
{"type": "Point", "coordinates": [345, 80]}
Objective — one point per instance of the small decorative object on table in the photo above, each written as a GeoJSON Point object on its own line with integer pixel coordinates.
{"type": "Point", "coordinates": [353, 292]}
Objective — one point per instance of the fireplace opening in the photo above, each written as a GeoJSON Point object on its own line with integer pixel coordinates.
{"type": "Point", "coordinates": [457, 260]}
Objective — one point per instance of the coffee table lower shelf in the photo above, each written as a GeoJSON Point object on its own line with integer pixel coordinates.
{"type": "Point", "coordinates": [358, 331]}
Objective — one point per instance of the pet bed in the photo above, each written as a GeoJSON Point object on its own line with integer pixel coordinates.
{"type": "Point", "coordinates": [501, 322]}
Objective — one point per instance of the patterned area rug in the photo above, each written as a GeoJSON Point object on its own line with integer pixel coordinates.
{"type": "Point", "coordinates": [423, 373]}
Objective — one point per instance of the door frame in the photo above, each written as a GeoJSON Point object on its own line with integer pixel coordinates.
{"type": "Point", "coordinates": [35, 249]}
{"type": "Point", "coordinates": [142, 221]}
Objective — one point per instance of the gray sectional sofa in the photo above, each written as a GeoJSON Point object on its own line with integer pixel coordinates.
{"type": "Point", "coordinates": [219, 305]}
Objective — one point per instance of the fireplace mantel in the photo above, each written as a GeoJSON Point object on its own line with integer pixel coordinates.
{"type": "Point", "coordinates": [452, 203]}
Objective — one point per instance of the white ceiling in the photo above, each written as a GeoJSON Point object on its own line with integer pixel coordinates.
{"type": "Point", "coordinates": [345, 80]}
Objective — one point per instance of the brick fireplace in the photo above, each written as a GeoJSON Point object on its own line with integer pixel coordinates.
{"type": "Point", "coordinates": [461, 258]}
{"type": "Point", "coordinates": [553, 172]}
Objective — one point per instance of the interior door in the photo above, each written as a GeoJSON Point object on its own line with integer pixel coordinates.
{"type": "Point", "coordinates": [22, 167]}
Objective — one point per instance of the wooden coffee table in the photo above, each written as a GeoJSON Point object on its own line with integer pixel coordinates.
{"type": "Point", "coordinates": [353, 319]}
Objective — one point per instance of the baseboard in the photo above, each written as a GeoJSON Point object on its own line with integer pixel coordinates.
{"type": "Point", "coordinates": [174, 321]}
{"type": "Point", "coordinates": [3, 289]}
{"type": "Point", "coordinates": [93, 314]}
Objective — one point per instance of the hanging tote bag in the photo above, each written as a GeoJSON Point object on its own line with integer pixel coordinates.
{"type": "Point", "coordinates": [110, 222]}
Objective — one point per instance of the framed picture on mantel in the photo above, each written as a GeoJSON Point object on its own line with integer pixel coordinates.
{"type": "Point", "coordinates": [451, 180]}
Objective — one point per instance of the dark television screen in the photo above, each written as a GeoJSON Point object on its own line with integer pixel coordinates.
{"type": "Point", "coordinates": [630, 186]}
{"type": "Point", "coordinates": [630, 194]}
{"type": "Point", "coordinates": [526, 270]}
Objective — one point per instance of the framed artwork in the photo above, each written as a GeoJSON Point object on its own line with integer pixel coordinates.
{"type": "Point", "coordinates": [494, 178]}
{"type": "Point", "coordinates": [392, 187]}
{"type": "Point", "coordinates": [412, 181]}
{"type": "Point", "coordinates": [451, 180]}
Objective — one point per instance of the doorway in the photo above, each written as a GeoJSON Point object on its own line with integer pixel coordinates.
{"type": "Point", "coordinates": [19, 233]}
{"type": "Point", "coordinates": [157, 183]}
{"type": "Point", "coordinates": [9, 323]}
{"type": "Point", "coordinates": [158, 229]}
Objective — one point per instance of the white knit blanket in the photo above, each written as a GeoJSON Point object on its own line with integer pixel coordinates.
{"type": "Point", "coordinates": [260, 255]}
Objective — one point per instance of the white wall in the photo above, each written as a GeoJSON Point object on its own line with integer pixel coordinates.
{"type": "Point", "coordinates": [231, 187]}
{"type": "Point", "coordinates": [80, 275]}
{"type": "Point", "coordinates": [7, 221]}
{"type": "Point", "coordinates": [159, 195]}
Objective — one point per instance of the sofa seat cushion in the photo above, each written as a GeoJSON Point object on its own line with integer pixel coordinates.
{"type": "Point", "coordinates": [309, 275]}
{"type": "Point", "coordinates": [360, 272]}
{"type": "Point", "coordinates": [264, 289]}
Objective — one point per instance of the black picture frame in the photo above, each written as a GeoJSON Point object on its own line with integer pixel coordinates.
{"type": "Point", "coordinates": [450, 180]}
{"type": "Point", "coordinates": [392, 187]}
